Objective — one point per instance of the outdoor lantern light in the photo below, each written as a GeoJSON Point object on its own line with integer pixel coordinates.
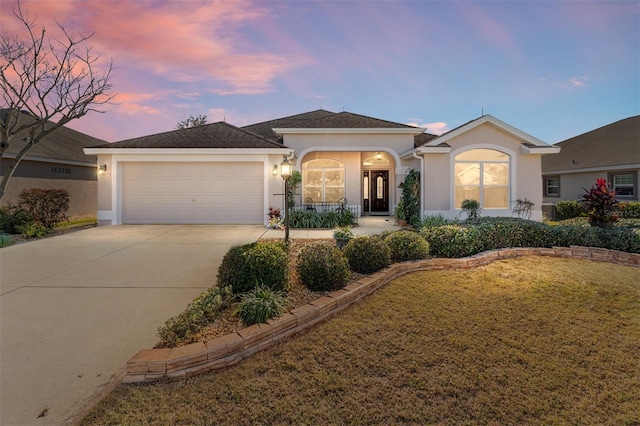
{"type": "Point", "coordinates": [274, 172]}
{"type": "Point", "coordinates": [102, 169]}
{"type": "Point", "coordinates": [379, 156]}
{"type": "Point", "coordinates": [285, 172]}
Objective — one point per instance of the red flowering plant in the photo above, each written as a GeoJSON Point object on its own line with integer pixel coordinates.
{"type": "Point", "coordinates": [600, 204]}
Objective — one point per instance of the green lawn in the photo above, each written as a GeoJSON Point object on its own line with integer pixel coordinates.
{"type": "Point", "coordinates": [533, 340]}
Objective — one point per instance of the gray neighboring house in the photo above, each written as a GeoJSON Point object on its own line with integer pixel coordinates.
{"type": "Point", "coordinates": [57, 162]}
{"type": "Point", "coordinates": [611, 152]}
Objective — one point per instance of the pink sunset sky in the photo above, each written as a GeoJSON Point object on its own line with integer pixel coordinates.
{"type": "Point", "coordinates": [551, 69]}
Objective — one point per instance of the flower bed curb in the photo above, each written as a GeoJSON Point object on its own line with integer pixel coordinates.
{"type": "Point", "coordinates": [150, 365]}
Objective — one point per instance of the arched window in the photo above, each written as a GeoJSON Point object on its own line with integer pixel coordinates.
{"type": "Point", "coordinates": [323, 180]}
{"type": "Point", "coordinates": [482, 175]}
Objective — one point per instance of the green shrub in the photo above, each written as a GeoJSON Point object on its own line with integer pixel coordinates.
{"type": "Point", "coordinates": [261, 304]}
{"type": "Point", "coordinates": [452, 240]}
{"type": "Point", "coordinates": [264, 262]}
{"type": "Point", "coordinates": [503, 232]}
{"type": "Point", "coordinates": [411, 198]}
{"type": "Point", "coordinates": [12, 218]}
{"type": "Point", "coordinates": [5, 240]}
{"type": "Point", "coordinates": [313, 219]}
{"type": "Point", "coordinates": [568, 209]}
{"type": "Point", "coordinates": [407, 245]}
{"type": "Point", "coordinates": [323, 267]}
{"type": "Point", "coordinates": [367, 254]}
{"type": "Point", "coordinates": [45, 206]}
{"type": "Point", "coordinates": [630, 210]}
{"type": "Point", "coordinates": [200, 312]}
{"type": "Point", "coordinates": [34, 229]}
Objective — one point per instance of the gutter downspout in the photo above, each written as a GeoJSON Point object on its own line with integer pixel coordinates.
{"type": "Point", "coordinates": [422, 188]}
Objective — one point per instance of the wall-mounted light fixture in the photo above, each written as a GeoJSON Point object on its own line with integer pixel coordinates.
{"type": "Point", "coordinates": [274, 172]}
{"type": "Point", "coordinates": [102, 169]}
{"type": "Point", "coordinates": [379, 156]}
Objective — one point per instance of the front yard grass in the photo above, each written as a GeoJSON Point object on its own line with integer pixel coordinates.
{"type": "Point", "coordinates": [533, 340]}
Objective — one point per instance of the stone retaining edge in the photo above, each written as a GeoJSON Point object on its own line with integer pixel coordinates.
{"type": "Point", "coordinates": [150, 365]}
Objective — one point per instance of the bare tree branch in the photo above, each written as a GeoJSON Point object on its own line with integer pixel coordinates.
{"type": "Point", "coordinates": [45, 83]}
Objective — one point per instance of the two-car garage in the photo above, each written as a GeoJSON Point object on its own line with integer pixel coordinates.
{"type": "Point", "coordinates": [192, 192]}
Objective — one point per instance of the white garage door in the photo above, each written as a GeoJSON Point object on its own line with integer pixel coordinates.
{"type": "Point", "coordinates": [193, 193]}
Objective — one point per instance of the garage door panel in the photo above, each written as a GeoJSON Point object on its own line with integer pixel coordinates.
{"type": "Point", "coordinates": [192, 193]}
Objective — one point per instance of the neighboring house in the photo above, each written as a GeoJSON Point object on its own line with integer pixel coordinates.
{"type": "Point", "coordinates": [57, 162]}
{"type": "Point", "coordinates": [611, 152]}
{"type": "Point", "coordinates": [219, 173]}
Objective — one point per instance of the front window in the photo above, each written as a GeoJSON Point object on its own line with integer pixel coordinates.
{"type": "Point", "coordinates": [323, 180]}
{"type": "Point", "coordinates": [552, 186]}
{"type": "Point", "coordinates": [623, 185]}
{"type": "Point", "coordinates": [482, 175]}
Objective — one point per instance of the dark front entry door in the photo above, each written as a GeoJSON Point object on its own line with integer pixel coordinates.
{"type": "Point", "coordinates": [379, 191]}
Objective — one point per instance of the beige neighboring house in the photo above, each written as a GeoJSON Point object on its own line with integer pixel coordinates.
{"type": "Point", "coordinates": [611, 152]}
{"type": "Point", "coordinates": [219, 173]}
{"type": "Point", "coordinates": [57, 162]}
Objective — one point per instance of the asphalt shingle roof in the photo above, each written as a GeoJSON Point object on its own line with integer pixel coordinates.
{"type": "Point", "coordinates": [215, 135]}
{"type": "Point", "coordinates": [63, 144]}
{"type": "Point", "coordinates": [615, 144]}
{"type": "Point", "coordinates": [348, 120]}
{"type": "Point", "coordinates": [264, 129]}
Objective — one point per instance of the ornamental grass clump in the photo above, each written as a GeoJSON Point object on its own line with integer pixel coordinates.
{"type": "Point", "coordinates": [261, 304]}
{"type": "Point", "coordinates": [263, 262]}
{"type": "Point", "coordinates": [323, 267]}
{"type": "Point", "coordinates": [367, 254]}
{"type": "Point", "coordinates": [407, 245]}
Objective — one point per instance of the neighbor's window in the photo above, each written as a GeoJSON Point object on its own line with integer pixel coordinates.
{"type": "Point", "coordinates": [552, 186]}
{"type": "Point", "coordinates": [623, 185]}
{"type": "Point", "coordinates": [482, 175]}
{"type": "Point", "coordinates": [323, 180]}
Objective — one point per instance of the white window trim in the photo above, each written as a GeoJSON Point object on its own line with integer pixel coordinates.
{"type": "Point", "coordinates": [512, 176]}
{"type": "Point", "coordinates": [342, 168]}
{"type": "Point", "coordinates": [545, 187]}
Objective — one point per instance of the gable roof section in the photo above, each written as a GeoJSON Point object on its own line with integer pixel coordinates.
{"type": "Point", "coordinates": [215, 135]}
{"type": "Point", "coordinates": [63, 145]}
{"type": "Point", "coordinates": [614, 145]}
{"type": "Point", "coordinates": [529, 144]}
{"type": "Point", "coordinates": [265, 129]}
{"type": "Point", "coordinates": [347, 122]}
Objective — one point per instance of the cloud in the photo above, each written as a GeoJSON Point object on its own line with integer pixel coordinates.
{"type": "Point", "coordinates": [578, 82]}
{"type": "Point", "coordinates": [197, 42]}
{"type": "Point", "coordinates": [435, 128]}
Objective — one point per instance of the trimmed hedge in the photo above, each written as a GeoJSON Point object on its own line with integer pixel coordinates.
{"type": "Point", "coordinates": [245, 266]}
{"type": "Point", "coordinates": [484, 234]}
{"type": "Point", "coordinates": [367, 254]}
{"type": "Point", "coordinates": [323, 267]}
{"type": "Point", "coordinates": [568, 209]}
{"type": "Point", "coordinates": [407, 245]}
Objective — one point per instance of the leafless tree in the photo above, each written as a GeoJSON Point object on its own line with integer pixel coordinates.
{"type": "Point", "coordinates": [192, 121]}
{"type": "Point", "coordinates": [43, 78]}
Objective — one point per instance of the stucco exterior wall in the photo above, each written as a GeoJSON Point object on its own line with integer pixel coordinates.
{"type": "Point", "coordinates": [525, 170]}
{"type": "Point", "coordinates": [572, 185]}
{"type": "Point", "coordinates": [82, 194]}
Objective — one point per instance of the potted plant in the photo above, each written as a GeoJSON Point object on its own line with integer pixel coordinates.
{"type": "Point", "coordinates": [600, 204]}
{"type": "Point", "coordinates": [400, 215]}
{"type": "Point", "coordinates": [342, 235]}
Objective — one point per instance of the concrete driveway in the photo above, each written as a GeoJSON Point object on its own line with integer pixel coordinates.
{"type": "Point", "coordinates": [74, 308]}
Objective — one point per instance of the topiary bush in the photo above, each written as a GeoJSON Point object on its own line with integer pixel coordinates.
{"type": "Point", "coordinates": [200, 312]}
{"type": "Point", "coordinates": [261, 304]}
{"type": "Point", "coordinates": [367, 254]}
{"type": "Point", "coordinates": [264, 262]}
{"type": "Point", "coordinates": [452, 240]}
{"type": "Point", "coordinates": [323, 267]}
{"type": "Point", "coordinates": [407, 245]}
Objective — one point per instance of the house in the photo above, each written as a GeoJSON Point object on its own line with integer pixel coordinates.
{"type": "Point", "coordinates": [219, 173]}
{"type": "Point", "coordinates": [611, 152]}
{"type": "Point", "coordinates": [57, 162]}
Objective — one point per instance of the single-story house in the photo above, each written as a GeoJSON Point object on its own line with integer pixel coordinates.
{"type": "Point", "coordinates": [611, 152]}
{"type": "Point", "coordinates": [57, 162]}
{"type": "Point", "coordinates": [219, 173]}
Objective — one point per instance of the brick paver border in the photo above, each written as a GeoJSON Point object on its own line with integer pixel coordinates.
{"type": "Point", "coordinates": [150, 365]}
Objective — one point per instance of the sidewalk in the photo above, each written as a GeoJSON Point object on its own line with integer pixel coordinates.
{"type": "Point", "coordinates": [367, 225]}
